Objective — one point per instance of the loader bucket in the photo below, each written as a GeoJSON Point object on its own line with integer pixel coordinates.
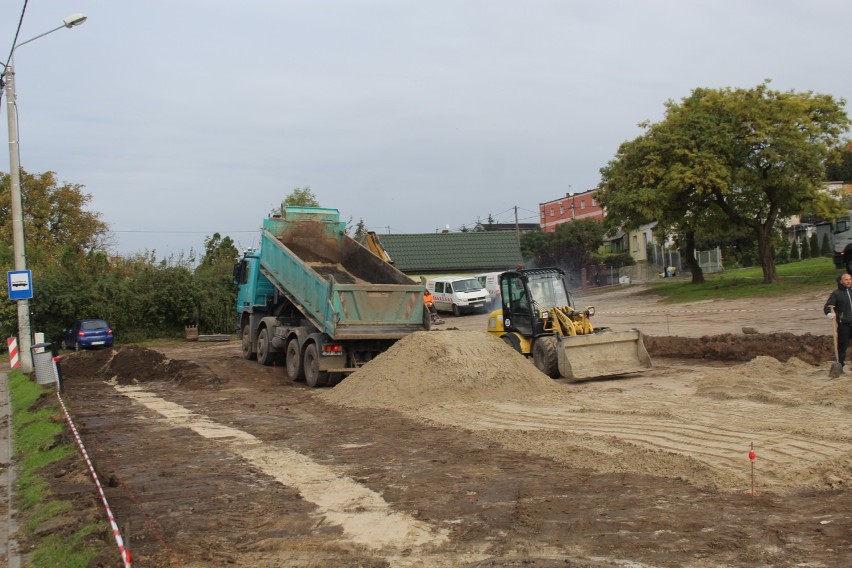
{"type": "Point", "coordinates": [602, 354]}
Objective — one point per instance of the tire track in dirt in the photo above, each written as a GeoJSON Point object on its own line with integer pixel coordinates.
{"type": "Point", "coordinates": [364, 516]}
{"type": "Point", "coordinates": [713, 437]}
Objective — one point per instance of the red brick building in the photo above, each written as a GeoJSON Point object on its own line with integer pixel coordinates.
{"type": "Point", "coordinates": [572, 207]}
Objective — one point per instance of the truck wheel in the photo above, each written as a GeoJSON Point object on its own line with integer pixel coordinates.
{"type": "Point", "coordinates": [456, 310]}
{"type": "Point", "coordinates": [849, 266]}
{"type": "Point", "coordinates": [265, 356]}
{"type": "Point", "coordinates": [313, 376]}
{"type": "Point", "coordinates": [294, 361]}
{"type": "Point", "coordinates": [245, 336]}
{"type": "Point", "coordinates": [427, 319]}
{"type": "Point", "coordinates": [544, 356]}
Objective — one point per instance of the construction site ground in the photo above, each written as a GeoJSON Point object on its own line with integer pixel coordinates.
{"type": "Point", "coordinates": [452, 450]}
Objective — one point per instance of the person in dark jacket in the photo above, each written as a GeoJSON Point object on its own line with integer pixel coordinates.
{"type": "Point", "coordinates": [839, 307]}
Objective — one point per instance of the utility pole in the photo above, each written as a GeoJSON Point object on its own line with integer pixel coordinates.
{"type": "Point", "coordinates": [517, 227]}
{"type": "Point", "coordinates": [24, 332]}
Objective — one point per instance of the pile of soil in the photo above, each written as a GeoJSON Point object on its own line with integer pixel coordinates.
{"type": "Point", "coordinates": [427, 368]}
{"type": "Point", "coordinates": [133, 365]}
{"type": "Point", "coordinates": [813, 349]}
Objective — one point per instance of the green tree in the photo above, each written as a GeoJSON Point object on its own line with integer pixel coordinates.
{"type": "Point", "coordinates": [804, 248]}
{"type": "Point", "coordinates": [754, 156]}
{"type": "Point", "coordinates": [794, 250]}
{"type": "Point", "coordinates": [360, 231]}
{"type": "Point", "coordinates": [782, 250]}
{"type": "Point", "coordinates": [571, 246]}
{"type": "Point", "coordinates": [814, 245]}
{"type": "Point", "coordinates": [299, 197]}
{"type": "Point", "coordinates": [825, 248]}
{"type": "Point", "coordinates": [839, 168]}
{"type": "Point", "coordinates": [56, 219]}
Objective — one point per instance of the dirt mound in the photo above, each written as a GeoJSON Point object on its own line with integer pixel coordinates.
{"type": "Point", "coordinates": [133, 364]}
{"type": "Point", "coordinates": [432, 368]}
{"type": "Point", "coordinates": [767, 380]}
{"type": "Point", "coordinates": [814, 349]}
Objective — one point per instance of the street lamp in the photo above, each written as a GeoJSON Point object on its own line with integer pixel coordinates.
{"type": "Point", "coordinates": [24, 340]}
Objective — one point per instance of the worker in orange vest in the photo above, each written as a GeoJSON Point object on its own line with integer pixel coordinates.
{"type": "Point", "coordinates": [429, 302]}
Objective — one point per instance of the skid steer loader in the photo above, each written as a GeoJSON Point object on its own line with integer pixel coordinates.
{"type": "Point", "coordinates": [537, 319]}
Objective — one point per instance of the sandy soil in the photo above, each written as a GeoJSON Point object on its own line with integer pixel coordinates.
{"type": "Point", "coordinates": [453, 450]}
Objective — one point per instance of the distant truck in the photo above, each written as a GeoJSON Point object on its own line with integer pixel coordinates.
{"type": "Point", "coordinates": [317, 301]}
{"type": "Point", "coordinates": [842, 234]}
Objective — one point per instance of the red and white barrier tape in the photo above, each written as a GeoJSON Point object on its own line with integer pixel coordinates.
{"type": "Point", "coordinates": [125, 553]}
{"type": "Point", "coordinates": [817, 311]}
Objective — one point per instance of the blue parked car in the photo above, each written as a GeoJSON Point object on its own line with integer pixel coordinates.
{"type": "Point", "coordinates": [87, 334]}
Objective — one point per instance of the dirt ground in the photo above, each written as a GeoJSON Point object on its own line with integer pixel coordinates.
{"type": "Point", "coordinates": [452, 450]}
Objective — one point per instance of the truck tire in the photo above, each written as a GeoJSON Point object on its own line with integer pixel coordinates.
{"type": "Point", "coordinates": [295, 370]}
{"type": "Point", "coordinates": [245, 340]}
{"type": "Point", "coordinates": [313, 376]}
{"type": "Point", "coordinates": [265, 356]}
{"type": "Point", "coordinates": [545, 357]}
{"type": "Point", "coordinates": [427, 319]}
{"type": "Point", "coordinates": [456, 310]}
{"type": "Point", "coordinates": [849, 266]}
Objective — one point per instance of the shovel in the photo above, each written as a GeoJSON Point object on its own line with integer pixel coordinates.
{"type": "Point", "coordinates": [836, 367]}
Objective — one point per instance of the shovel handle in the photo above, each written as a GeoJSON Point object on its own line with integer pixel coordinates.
{"type": "Point", "coordinates": [834, 333]}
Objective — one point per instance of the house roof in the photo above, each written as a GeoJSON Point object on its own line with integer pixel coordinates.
{"type": "Point", "coordinates": [481, 251]}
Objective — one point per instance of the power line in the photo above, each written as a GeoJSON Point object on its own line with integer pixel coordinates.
{"type": "Point", "coordinates": [184, 232]}
{"type": "Point", "coordinates": [17, 32]}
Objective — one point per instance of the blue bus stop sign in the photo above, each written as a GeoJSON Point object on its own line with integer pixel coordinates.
{"type": "Point", "coordinates": [20, 284]}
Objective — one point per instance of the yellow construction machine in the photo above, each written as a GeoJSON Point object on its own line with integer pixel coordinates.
{"type": "Point", "coordinates": [537, 319]}
{"type": "Point", "coordinates": [372, 242]}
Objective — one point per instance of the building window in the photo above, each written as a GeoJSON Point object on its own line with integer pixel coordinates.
{"type": "Point", "coordinates": [582, 204]}
{"type": "Point", "coordinates": [594, 202]}
{"type": "Point", "coordinates": [635, 243]}
{"type": "Point", "coordinates": [561, 210]}
{"type": "Point", "coordinates": [551, 211]}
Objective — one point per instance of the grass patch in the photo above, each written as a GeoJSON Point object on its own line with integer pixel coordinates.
{"type": "Point", "coordinates": [817, 275]}
{"type": "Point", "coordinates": [39, 435]}
{"type": "Point", "coordinates": [68, 552]}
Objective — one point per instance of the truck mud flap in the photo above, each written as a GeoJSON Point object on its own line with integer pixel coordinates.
{"type": "Point", "coordinates": [602, 354]}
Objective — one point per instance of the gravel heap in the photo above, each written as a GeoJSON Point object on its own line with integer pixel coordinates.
{"type": "Point", "coordinates": [439, 367]}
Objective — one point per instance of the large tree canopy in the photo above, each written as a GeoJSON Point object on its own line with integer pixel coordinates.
{"type": "Point", "coordinates": [56, 219]}
{"type": "Point", "coordinates": [746, 157]}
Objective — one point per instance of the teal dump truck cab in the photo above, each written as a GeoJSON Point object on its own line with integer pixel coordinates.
{"type": "Point", "coordinates": [317, 301]}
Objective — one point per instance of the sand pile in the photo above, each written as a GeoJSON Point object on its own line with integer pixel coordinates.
{"type": "Point", "coordinates": [767, 380]}
{"type": "Point", "coordinates": [440, 367]}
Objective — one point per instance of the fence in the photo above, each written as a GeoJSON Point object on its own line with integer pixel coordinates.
{"type": "Point", "coordinates": [599, 275]}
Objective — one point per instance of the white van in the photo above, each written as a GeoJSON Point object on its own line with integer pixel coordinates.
{"type": "Point", "coordinates": [491, 282]}
{"type": "Point", "coordinates": [458, 294]}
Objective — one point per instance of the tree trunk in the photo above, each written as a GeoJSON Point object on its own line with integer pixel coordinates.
{"type": "Point", "coordinates": [764, 251]}
{"type": "Point", "coordinates": [688, 254]}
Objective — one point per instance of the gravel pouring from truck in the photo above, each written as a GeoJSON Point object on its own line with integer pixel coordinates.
{"type": "Point", "coordinates": [317, 301]}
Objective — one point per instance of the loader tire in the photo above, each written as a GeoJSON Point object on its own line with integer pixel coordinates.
{"type": "Point", "coordinates": [545, 356]}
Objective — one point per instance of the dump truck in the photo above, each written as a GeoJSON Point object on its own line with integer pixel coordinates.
{"type": "Point", "coordinates": [318, 302]}
{"type": "Point", "coordinates": [842, 242]}
{"type": "Point", "coordinates": [537, 319]}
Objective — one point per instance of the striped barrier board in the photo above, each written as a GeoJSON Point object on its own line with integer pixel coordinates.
{"type": "Point", "coordinates": [14, 360]}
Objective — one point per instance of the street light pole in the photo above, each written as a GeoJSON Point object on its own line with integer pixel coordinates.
{"type": "Point", "coordinates": [24, 332]}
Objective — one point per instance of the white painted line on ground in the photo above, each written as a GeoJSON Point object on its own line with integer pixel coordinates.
{"type": "Point", "coordinates": [364, 515]}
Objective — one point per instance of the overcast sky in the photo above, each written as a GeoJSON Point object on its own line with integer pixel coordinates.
{"type": "Point", "coordinates": [187, 117]}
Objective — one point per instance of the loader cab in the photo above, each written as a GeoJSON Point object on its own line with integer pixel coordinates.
{"type": "Point", "coordinates": [528, 294]}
